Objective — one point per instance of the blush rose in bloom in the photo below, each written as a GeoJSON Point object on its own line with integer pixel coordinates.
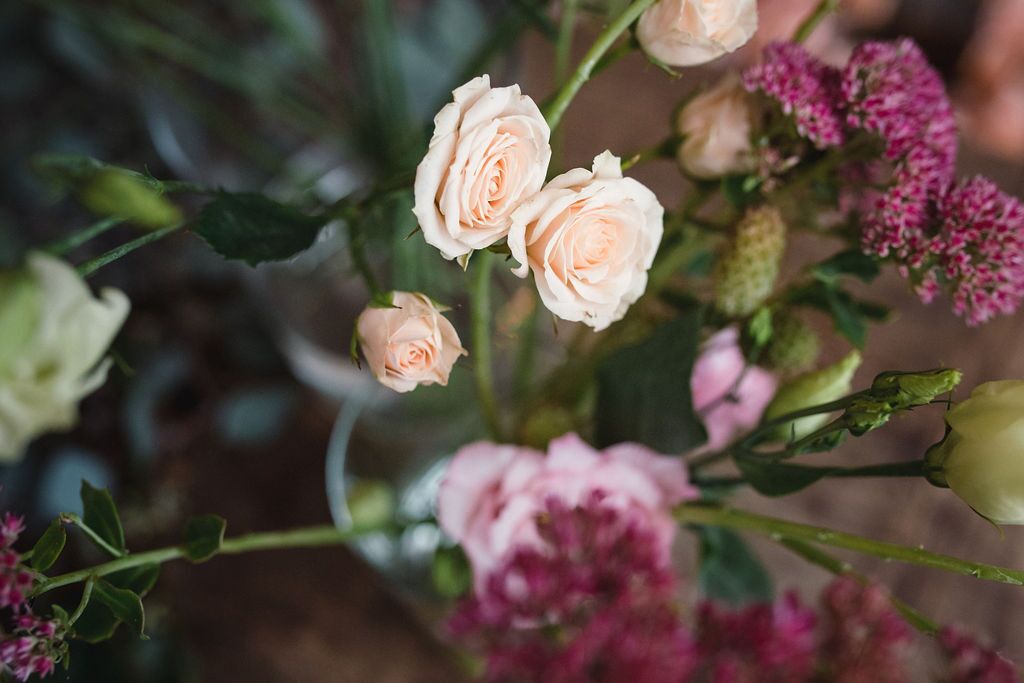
{"type": "Point", "coordinates": [691, 32]}
{"type": "Point", "coordinates": [489, 152]}
{"type": "Point", "coordinates": [726, 408]}
{"type": "Point", "coordinates": [492, 494]}
{"type": "Point", "coordinates": [589, 237]}
{"type": "Point", "coordinates": [982, 456]}
{"type": "Point", "coordinates": [716, 127]}
{"type": "Point", "coordinates": [409, 343]}
{"type": "Point", "coordinates": [53, 335]}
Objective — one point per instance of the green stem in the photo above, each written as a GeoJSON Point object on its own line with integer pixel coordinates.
{"type": "Point", "coordinates": [913, 468]}
{"type": "Point", "coordinates": [665, 149]}
{"type": "Point", "coordinates": [71, 518]}
{"type": "Point", "coordinates": [89, 267]}
{"type": "Point", "coordinates": [480, 313]}
{"type": "Point", "coordinates": [563, 52]}
{"type": "Point", "coordinates": [819, 557]}
{"type": "Point", "coordinates": [806, 28]}
{"type": "Point", "coordinates": [554, 111]}
{"type": "Point", "coordinates": [84, 602]}
{"type": "Point", "coordinates": [526, 352]}
{"type": "Point", "coordinates": [306, 537]}
{"type": "Point", "coordinates": [76, 239]}
{"type": "Point", "coordinates": [779, 529]}
{"type": "Point", "coordinates": [357, 249]}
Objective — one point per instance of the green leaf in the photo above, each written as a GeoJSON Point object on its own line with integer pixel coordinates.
{"type": "Point", "coordinates": [740, 190]}
{"type": "Point", "coordinates": [772, 478]}
{"type": "Point", "coordinates": [203, 537]}
{"type": "Point", "coordinates": [644, 390]}
{"type": "Point", "coordinates": [48, 548]}
{"type": "Point", "coordinates": [851, 262]}
{"type": "Point", "coordinates": [729, 570]}
{"type": "Point", "coordinates": [123, 603]}
{"type": "Point", "coordinates": [450, 572]}
{"type": "Point", "coordinates": [253, 228]}
{"type": "Point", "coordinates": [759, 327]}
{"type": "Point", "coordinates": [100, 514]}
{"type": "Point", "coordinates": [98, 623]}
{"type": "Point", "coordinates": [139, 579]}
{"type": "Point", "coordinates": [848, 314]}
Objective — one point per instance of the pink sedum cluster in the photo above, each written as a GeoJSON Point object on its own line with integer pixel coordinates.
{"type": "Point", "coordinates": [804, 87]}
{"type": "Point", "coordinates": [970, 662]}
{"type": "Point", "coordinates": [15, 580]}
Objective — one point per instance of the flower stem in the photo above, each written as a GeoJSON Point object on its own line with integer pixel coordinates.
{"type": "Point", "coordinates": [779, 529]}
{"type": "Point", "coordinates": [480, 313]}
{"type": "Point", "coordinates": [89, 267]}
{"type": "Point", "coordinates": [305, 537]}
{"type": "Point", "coordinates": [84, 602]}
{"type": "Point", "coordinates": [806, 28]}
{"type": "Point", "coordinates": [76, 239]}
{"type": "Point", "coordinates": [819, 557]}
{"type": "Point", "coordinates": [556, 108]}
{"type": "Point", "coordinates": [665, 149]}
{"type": "Point", "coordinates": [70, 518]}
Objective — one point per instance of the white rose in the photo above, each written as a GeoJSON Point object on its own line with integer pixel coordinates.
{"type": "Point", "coordinates": [489, 152]}
{"type": "Point", "coordinates": [982, 457]}
{"type": "Point", "coordinates": [54, 333]}
{"type": "Point", "coordinates": [690, 32]}
{"type": "Point", "coordinates": [409, 344]}
{"type": "Point", "coordinates": [716, 127]}
{"type": "Point", "coordinates": [589, 237]}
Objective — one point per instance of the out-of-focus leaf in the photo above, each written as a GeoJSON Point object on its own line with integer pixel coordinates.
{"type": "Point", "coordinates": [49, 546]}
{"type": "Point", "coordinates": [730, 572]}
{"type": "Point", "coordinates": [853, 262]}
{"type": "Point", "coordinates": [100, 514]}
{"type": "Point", "coordinates": [203, 537]}
{"type": "Point", "coordinates": [123, 603]}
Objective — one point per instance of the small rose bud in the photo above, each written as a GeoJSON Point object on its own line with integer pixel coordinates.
{"type": "Point", "coordinates": [746, 271]}
{"type": "Point", "coordinates": [812, 389]}
{"type": "Point", "coordinates": [116, 193]}
{"type": "Point", "coordinates": [690, 32]}
{"type": "Point", "coordinates": [716, 129]}
{"type": "Point", "coordinates": [409, 342]}
{"type": "Point", "coordinates": [982, 455]}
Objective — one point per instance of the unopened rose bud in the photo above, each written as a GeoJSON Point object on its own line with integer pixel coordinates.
{"type": "Point", "coordinates": [408, 343]}
{"type": "Point", "coordinates": [690, 32]}
{"type": "Point", "coordinates": [116, 193]}
{"type": "Point", "coordinates": [716, 128]}
{"type": "Point", "coordinates": [746, 271]}
{"type": "Point", "coordinates": [812, 389]}
{"type": "Point", "coordinates": [982, 457]}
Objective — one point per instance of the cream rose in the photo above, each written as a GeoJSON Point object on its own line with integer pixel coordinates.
{"type": "Point", "coordinates": [410, 343]}
{"type": "Point", "coordinates": [489, 152]}
{"type": "Point", "coordinates": [716, 127]}
{"type": "Point", "coordinates": [982, 456]}
{"type": "Point", "coordinates": [690, 32]}
{"type": "Point", "coordinates": [53, 335]}
{"type": "Point", "coordinates": [589, 237]}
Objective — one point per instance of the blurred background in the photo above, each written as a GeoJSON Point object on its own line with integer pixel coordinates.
{"type": "Point", "coordinates": [232, 378]}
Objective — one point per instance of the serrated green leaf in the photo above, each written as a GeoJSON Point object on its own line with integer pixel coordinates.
{"type": "Point", "coordinates": [203, 537]}
{"type": "Point", "coordinates": [644, 390]}
{"type": "Point", "coordinates": [100, 514]}
{"type": "Point", "coordinates": [123, 603]}
{"type": "Point", "coordinates": [730, 572]}
{"type": "Point", "coordinates": [253, 228]}
{"type": "Point", "coordinates": [49, 546]}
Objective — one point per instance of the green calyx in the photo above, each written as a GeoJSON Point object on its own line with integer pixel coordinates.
{"type": "Point", "coordinates": [891, 392]}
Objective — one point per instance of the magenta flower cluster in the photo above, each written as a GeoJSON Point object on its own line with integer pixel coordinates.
{"type": "Point", "coordinates": [30, 645]}
{"type": "Point", "coordinates": [962, 238]}
{"type": "Point", "coordinates": [970, 662]}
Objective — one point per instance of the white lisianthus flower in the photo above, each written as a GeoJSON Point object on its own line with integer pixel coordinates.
{"type": "Point", "coordinates": [489, 152]}
{"type": "Point", "coordinates": [53, 335]}
{"type": "Point", "coordinates": [691, 32]}
{"type": "Point", "coordinates": [589, 237]}
{"type": "Point", "coordinates": [982, 456]}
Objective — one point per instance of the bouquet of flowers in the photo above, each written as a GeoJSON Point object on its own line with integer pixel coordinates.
{"type": "Point", "coordinates": [687, 369]}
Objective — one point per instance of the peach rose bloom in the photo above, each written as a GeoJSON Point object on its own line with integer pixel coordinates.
{"type": "Point", "coordinates": [715, 373]}
{"type": "Point", "coordinates": [589, 237]}
{"type": "Point", "coordinates": [716, 128]}
{"type": "Point", "coordinates": [489, 152]}
{"type": "Point", "coordinates": [491, 494]}
{"type": "Point", "coordinates": [691, 32]}
{"type": "Point", "coordinates": [409, 344]}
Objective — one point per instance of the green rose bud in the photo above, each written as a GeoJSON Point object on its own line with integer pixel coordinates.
{"type": "Point", "coordinates": [982, 457]}
{"type": "Point", "coordinates": [812, 389]}
{"type": "Point", "coordinates": [116, 193]}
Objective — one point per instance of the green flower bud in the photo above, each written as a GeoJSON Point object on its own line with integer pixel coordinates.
{"type": "Point", "coordinates": [812, 389]}
{"type": "Point", "coordinates": [746, 271]}
{"type": "Point", "coordinates": [794, 347]}
{"type": "Point", "coordinates": [115, 193]}
{"type": "Point", "coordinates": [371, 503]}
{"type": "Point", "coordinates": [982, 456]}
{"type": "Point", "coordinates": [894, 391]}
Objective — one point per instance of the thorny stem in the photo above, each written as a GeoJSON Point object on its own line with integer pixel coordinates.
{"type": "Point", "coordinates": [89, 267]}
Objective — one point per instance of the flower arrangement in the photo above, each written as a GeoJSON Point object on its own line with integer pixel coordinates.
{"type": "Point", "coordinates": [692, 371]}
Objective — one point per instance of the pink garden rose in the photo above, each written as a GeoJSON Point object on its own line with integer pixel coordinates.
{"type": "Point", "coordinates": [714, 374]}
{"type": "Point", "coordinates": [492, 494]}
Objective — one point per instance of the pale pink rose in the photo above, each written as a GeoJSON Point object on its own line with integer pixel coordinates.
{"type": "Point", "coordinates": [408, 344]}
{"type": "Point", "coordinates": [716, 128]}
{"type": "Point", "coordinates": [589, 237]}
{"type": "Point", "coordinates": [489, 152]}
{"type": "Point", "coordinates": [492, 494]}
{"type": "Point", "coordinates": [690, 32]}
{"type": "Point", "coordinates": [715, 374]}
